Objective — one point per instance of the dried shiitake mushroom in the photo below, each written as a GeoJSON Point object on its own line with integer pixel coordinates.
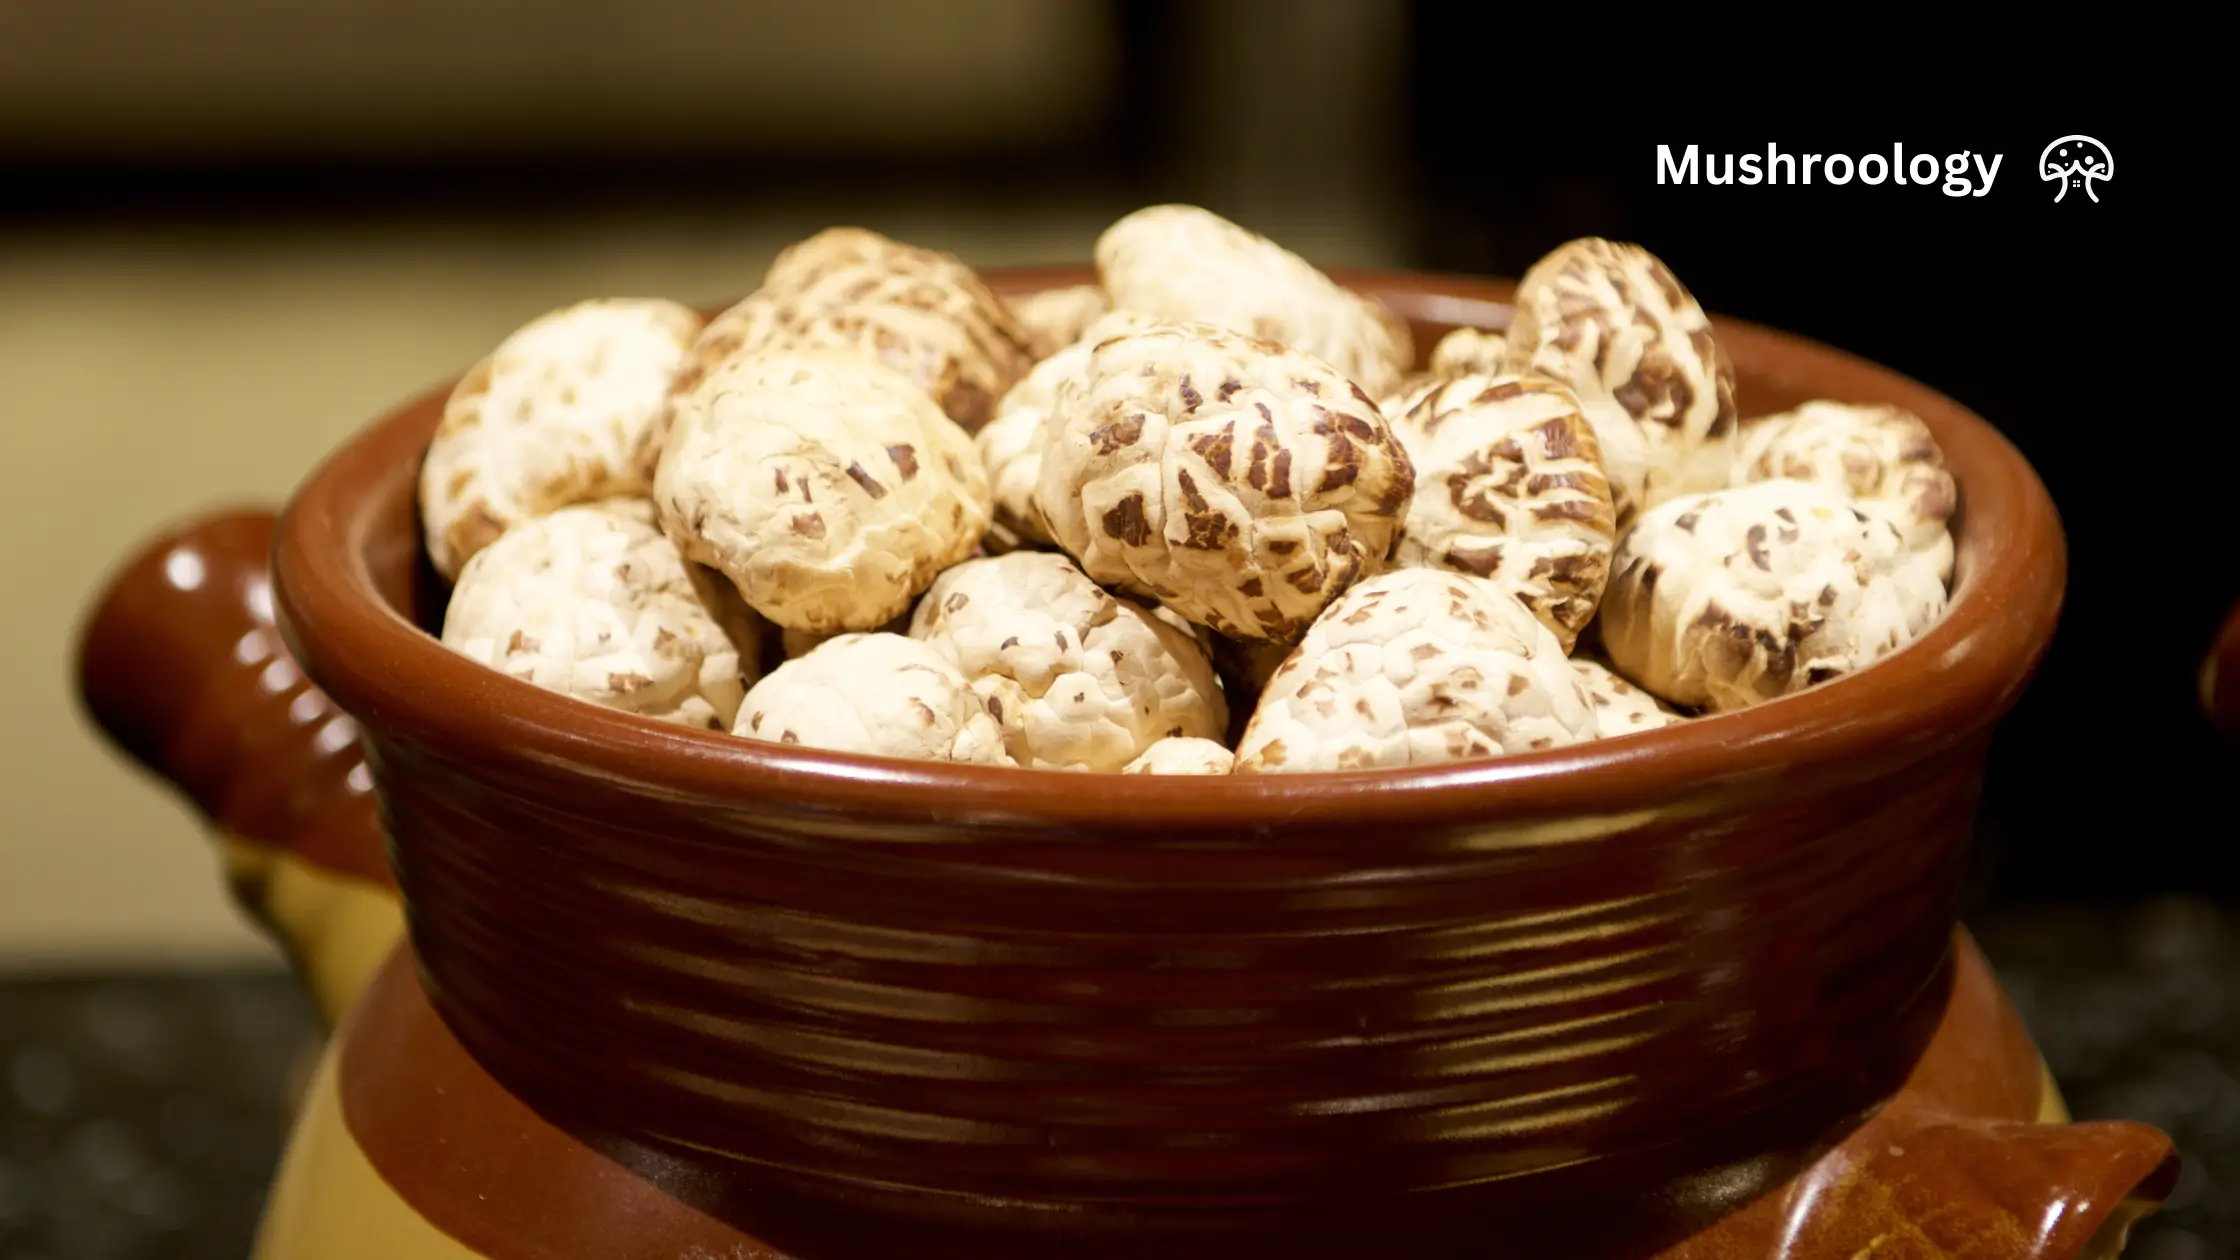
{"type": "Point", "coordinates": [880, 695]}
{"type": "Point", "coordinates": [1185, 264]}
{"type": "Point", "coordinates": [1509, 487]}
{"type": "Point", "coordinates": [1240, 484]}
{"type": "Point", "coordinates": [1415, 667]}
{"type": "Point", "coordinates": [828, 488]}
{"type": "Point", "coordinates": [550, 418]}
{"type": "Point", "coordinates": [1610, 321]}
{"type": "Point", "coordinates": [594, 602]}
{"type": "Point", "coordinates": [1101, 679]}
{"type": "Point", "coordinates": [1883, 457]}
{"type": "Point", "coordinates": [1724, 600]}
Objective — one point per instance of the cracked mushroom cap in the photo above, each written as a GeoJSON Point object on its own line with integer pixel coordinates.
{"type": "Point", "coordinates": [923, 313]}
{"type": "Point", "coordinates": [594, 602]}
{"type": "Point", "coordinates": [1240, 484]}
{"type": "Point", "coordinates": [1509, 487]}
{"type": "Point", "coordinates": [1723, 600]}
{"type": "Point", "coordinates": [1011, 445]}
{"type": "Point", "coordinates": [1189, 265]}
{"type": "Point", "coordinates": [550, 418]}
{"type": "Point", "coordinates": [1620, 708]}
{"type": "Point", "coordinates": [881, 695]}
{"type": "Point", "coordinates": [829, 489]}
{"type": "Point", "coordinates": [1056, 318]}
{"type": "Point", "coordinates": [1100, 679]}
{"type": "Point", "coordinates": [1883, 457]}
{"type": "Point", "coordinates": [1610, 321]}
{"type": "Point", "coordinates": [1183, 756]}
{"type": "Point", "coordinates": [1415, 667]}
{"type": "Point", "coordinates": [1470, 352]}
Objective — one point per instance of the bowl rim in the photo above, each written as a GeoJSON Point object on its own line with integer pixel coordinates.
{"type": "Point", "coordinates": [399, 683]}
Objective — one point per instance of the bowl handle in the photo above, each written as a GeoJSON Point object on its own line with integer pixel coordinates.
{"type": "Point", "coordinates": [2220, 677]}
{"type": "Point", "coordinates": [1988, 1191]}
{"type": "Point", "coordinates": [181, 665]}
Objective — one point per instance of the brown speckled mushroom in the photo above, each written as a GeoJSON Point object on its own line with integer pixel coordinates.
{"type": "Point", "coordinates": [594, 602]}
{"type": "Point", "coordinates": [1056, 318]}
{"type": "Point", "coordinates": [550, 418]}
{"type": "Point", "coordinates": [921, 313]}
{"type": "Point", "coordinates": [1187, 264]}
{"type": "Point", "coordinates": [1883, 457]}
{"type": "Point", "coordinates": [1011, 444]}
{"type": "Point", "coordinates": [1100, 679]}
{"type": "Point", "coordinates": [1470, 352]}
{"type": "Point", "coordinates": [1241, 485]}
{"type": "Point", "coordinates": [881, 695]}
{"type": "Point", "coordinates": [1620, 708]}
{"type": "Point", "coordinates": [1610, 321]}
{"type": "Point", "coordinates": [828, 488]}
{"type": "Point", "coordinates": [1509, 487]}
{"type": "Point", "coordinates": [1724, 600]}
{"type": "Point", "coordinates": [1416, 667]}
{"type": "Point", "coordinates": [1183, 756]}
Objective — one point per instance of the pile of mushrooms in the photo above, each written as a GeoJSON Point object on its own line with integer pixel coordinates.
{"type": "Point", "coordinates": [1201, 517]}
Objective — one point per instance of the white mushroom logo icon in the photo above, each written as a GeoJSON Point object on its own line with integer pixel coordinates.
{"type": "Point", "coordinates": [2074, 162]}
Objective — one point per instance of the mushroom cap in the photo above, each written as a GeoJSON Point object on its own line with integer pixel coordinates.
{"type": "Point", "coordinates": [881, 695]}
{"type": "Point", "coordinates": [1610, 321]}
{"type": "Point", "coordinates": [829, 489]}
{"type": "Point", "coordinates": [1727, 599]}
{"type": "Point", "coordinates": [1056, 318]}
{"type": "Point", "coordinates": [1620, 708]}
{"type": "Point", "coordinates": [1238, 483]}
{"type": "Point", "coordinates": [1187, 264]}
{"type": "Point", "coordinates": [1100, 678]}
{"type": "Point", "coordinates": [921, 313]}
{"type": "Point", "coordinates": [1883, 457]}
{"type": "Point", "coordinates": [1183, 756]}
{"type": "Point", "coordinates": [1011, 444]}
{"type": "Point", "coordinates": [592, 601]}
{"type": "Point", "coordinates": [548, 419]}
{"type": "Point", "coordinates": [1470, 351]}
{"type": "Point", "coordinates": [1415, 667]}
{"type": "Point", "coordinates": [1510, 488]}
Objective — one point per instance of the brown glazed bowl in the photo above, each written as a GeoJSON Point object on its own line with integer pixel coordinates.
{"type": "Point", "coordinates": [1627, 985]}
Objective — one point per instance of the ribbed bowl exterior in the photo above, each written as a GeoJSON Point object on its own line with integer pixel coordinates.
{"type": "Point", "coordinates": [955, 989]}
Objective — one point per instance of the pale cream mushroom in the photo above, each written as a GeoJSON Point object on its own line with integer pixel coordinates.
{"type": "Point", "coordinates": [594, 602]}
{"type": "Point", "coordinates": [548, 419]}
{"type": "Point", "coordinates": [1240, 484]}
{"type": "Point", "coordinates": [1610, 321]}
{"type": "Point", "coordinates": [1011, 445]}
{"type": "Point", "coordinates": [1056, 318]}
{"type": "Point", "coordinates": [1509, 487]}
{"type": "Point", "coordinates": [1884, 457]}
{"type": "Point", "coordinates": [919, 312]}
{"type": "Point", "coordinates": [1187, 264]}
{"type": "Point", "coordinates": [1720, 601]}
{"type": "Point", "coordinates": [1183, 756]}
{"type": "Point", "coordinates": [1620, 708]}
{"type": "Point", "coordinates": [829, 489]}
{"type": "Point", "coordinates": [1470, 351]}
{"type": "Point", "coordinates": [1415, 667]}
{"type": "Point", "coordinates": [880, 695]}
{"type": "Point", "coordinates": [1101, 679]}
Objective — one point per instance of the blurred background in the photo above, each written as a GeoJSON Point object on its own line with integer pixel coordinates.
{"type": "Point", "coordinates": [232, 233]}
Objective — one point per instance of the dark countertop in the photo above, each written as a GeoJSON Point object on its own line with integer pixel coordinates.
{"type": "Point", "coordinates": [141, 1115]}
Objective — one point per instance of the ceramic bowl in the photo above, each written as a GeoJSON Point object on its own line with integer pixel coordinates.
{"type": "Point", "coordinates": [1654, 972]}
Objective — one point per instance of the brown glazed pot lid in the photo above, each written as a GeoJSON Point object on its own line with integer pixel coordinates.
{"type": "Point", "coordinates": [942, 992]}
